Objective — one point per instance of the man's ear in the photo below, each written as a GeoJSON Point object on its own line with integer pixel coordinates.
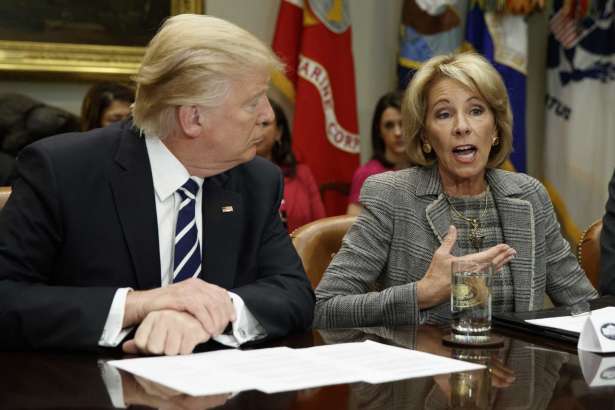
{"type": "Point", "coordinates": [190, 120]}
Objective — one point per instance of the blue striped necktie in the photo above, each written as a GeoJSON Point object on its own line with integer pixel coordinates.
{"type": "Point", "coordinates": [187, 260]}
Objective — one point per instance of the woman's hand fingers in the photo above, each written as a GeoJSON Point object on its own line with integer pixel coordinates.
{"type": "Point", "coordinates": [503, 259]}
{"type": "Point", "coordinates": [449, 240]}
{"type": "Point", "coordinates": [435, 286]}
{"type": "Point", "coordinates": [498, 255]}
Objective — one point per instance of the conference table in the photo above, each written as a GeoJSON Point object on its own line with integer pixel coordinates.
{"type": "Point", "coordinates": [527, 372]}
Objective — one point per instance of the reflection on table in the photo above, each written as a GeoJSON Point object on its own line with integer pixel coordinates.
{"type": "Point", "coordinates": [519, 375]}
{"type": "Point", "coordinates": [598, 369]}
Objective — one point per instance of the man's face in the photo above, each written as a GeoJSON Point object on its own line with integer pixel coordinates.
{"type": "Point", "coordinates": [233, 129]}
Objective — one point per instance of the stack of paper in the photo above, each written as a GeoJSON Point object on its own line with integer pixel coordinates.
{"type": "Point", "coordinates": [597, 329]}
{"type": "Point", "coordinates": [569, 323]}
{"type": "Point", "coordinates": [282, 369]}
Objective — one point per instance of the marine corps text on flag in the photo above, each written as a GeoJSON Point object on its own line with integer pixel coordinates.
{"type": "Point", "coordinates": [313, 38]}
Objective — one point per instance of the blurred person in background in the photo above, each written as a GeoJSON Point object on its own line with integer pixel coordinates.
{"type": "Point", "coordinates": [388, 147]}
{"type": "Point", "coordinates": [302, 202]}
{"type": "Point", "coordinates": [104, 104]}
{"type": "Point", "coordinates": [24, 120]}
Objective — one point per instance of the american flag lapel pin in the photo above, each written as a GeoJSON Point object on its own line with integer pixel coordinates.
{"type": "Point", "coordinates": [227, 209]}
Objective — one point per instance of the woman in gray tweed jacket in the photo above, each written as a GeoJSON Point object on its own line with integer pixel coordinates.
{"type": "Point", "coordinates": [394, 264]}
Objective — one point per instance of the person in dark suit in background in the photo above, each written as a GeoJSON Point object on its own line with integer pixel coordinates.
{"type": "Point", "coordinates": [607, 244]}
{"type": "Point", "coordinates": [165, 224]}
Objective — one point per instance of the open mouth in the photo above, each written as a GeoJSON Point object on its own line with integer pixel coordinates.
{"type": "Point", "coordinates": [465, 153]}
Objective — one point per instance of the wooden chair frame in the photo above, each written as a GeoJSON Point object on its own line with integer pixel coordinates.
{"type": "Point", "coordinates": [588, 251]}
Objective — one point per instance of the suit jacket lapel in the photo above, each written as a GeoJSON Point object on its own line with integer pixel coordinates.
{"type": "Point", "coordinates": [222, 222]}
{"type": "Point", "coordinates": [439, 219]}
{"type": "Point", "coordinates": [133, 192]}
{"type": "Point", "coordinates": [437, 211]}
{"type": "Point", "coordinates": [517, 221]}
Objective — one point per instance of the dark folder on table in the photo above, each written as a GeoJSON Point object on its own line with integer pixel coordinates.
{"type": "Point", "coordinates": [517, 321]}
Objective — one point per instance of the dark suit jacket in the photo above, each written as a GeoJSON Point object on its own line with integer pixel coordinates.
{"type": "Point", "coordinates": [81, 222]}
{"type": "Point", "coordinates": [7, 169]}
{"type": "Point", "coordinates": [607, 244]}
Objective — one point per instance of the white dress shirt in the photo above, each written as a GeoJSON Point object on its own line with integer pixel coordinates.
{"type": "Point", "coordinates": [168, 175]}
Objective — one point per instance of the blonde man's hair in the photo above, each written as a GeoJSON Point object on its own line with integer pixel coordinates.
{"type": "Point", "coordinates": [191, 61]}
{"type": "Point", "coordinates": [474, 72]}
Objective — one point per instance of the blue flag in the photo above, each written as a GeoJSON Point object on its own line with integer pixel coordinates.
{"type": "Point", "coordinates": [502, 39]}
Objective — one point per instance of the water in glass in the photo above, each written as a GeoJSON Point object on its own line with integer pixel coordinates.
{"type": "Point", "coordinates": [471, 300]}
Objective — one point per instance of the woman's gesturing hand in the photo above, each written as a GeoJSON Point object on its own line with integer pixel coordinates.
{"type": "Point", "coordinates": [435, 287]}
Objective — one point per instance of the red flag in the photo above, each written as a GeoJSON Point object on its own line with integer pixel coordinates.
{"type": "Point", "coordinates": [313, 38]}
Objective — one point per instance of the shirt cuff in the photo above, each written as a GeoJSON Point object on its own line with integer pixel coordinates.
{"type": "Point", "coordinates": [245, 327]}
{"type": "Point", "coordinates": [113, 334]}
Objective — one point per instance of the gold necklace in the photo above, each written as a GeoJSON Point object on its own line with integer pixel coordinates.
{"type": "Point", "coordinates": [476, 233]}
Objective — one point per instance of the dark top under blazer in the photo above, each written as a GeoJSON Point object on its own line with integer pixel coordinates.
{"type": "Point", "coordinates": [81, 222]}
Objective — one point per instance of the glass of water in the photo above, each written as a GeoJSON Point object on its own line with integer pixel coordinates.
{"type": "Point", "coordinates": [471, 301]}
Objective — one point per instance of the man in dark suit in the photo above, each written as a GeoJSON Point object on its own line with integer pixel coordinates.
{"type": "Point", "coordinates": [98, 222]}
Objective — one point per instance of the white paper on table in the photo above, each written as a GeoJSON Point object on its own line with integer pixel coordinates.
{"type": "Point", "coordinates": [233, 370]}
{"type": "Point", "coordinates": [283, 369]}
{"type": "Point", "coordinates": [598, 334]}
{"type": "Point", "coordinates": [569, 323]}
{"type": "Point", "coordinates": [379, 363]}
{"type": "Point", "coordinates": [199, 374]}
{"type": "Point", "coordinates": [597, 370]}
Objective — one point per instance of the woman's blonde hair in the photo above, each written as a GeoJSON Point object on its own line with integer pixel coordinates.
{"type": "Point", "coordinates": [190, 61]}
{"type": "Point", "coordinates": [475, 73]}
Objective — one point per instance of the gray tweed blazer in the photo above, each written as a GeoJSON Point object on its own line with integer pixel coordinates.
{"type": "Point", "coordinates": [372, 279]}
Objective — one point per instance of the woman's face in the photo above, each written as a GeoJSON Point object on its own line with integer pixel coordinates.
{"type": "Point", "coordinates": [116, 111]}
{"type": "Point", "coordinates": [460, 127]}
{"type": "Point", "coordinates": [271, 134]}
{"type": "Point", "coordinates": [390, 129]}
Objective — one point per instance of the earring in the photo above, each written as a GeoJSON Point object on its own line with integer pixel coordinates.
{"type": "Point", "coordinates": [426, 148]}
{"type": "Point", "coordinates": [496, 141]}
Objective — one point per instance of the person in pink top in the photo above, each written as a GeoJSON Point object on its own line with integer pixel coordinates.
{"type": "Point", "coordinates": [388, 147]}
{"type": "Point", "coordinates": [302, 202]}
